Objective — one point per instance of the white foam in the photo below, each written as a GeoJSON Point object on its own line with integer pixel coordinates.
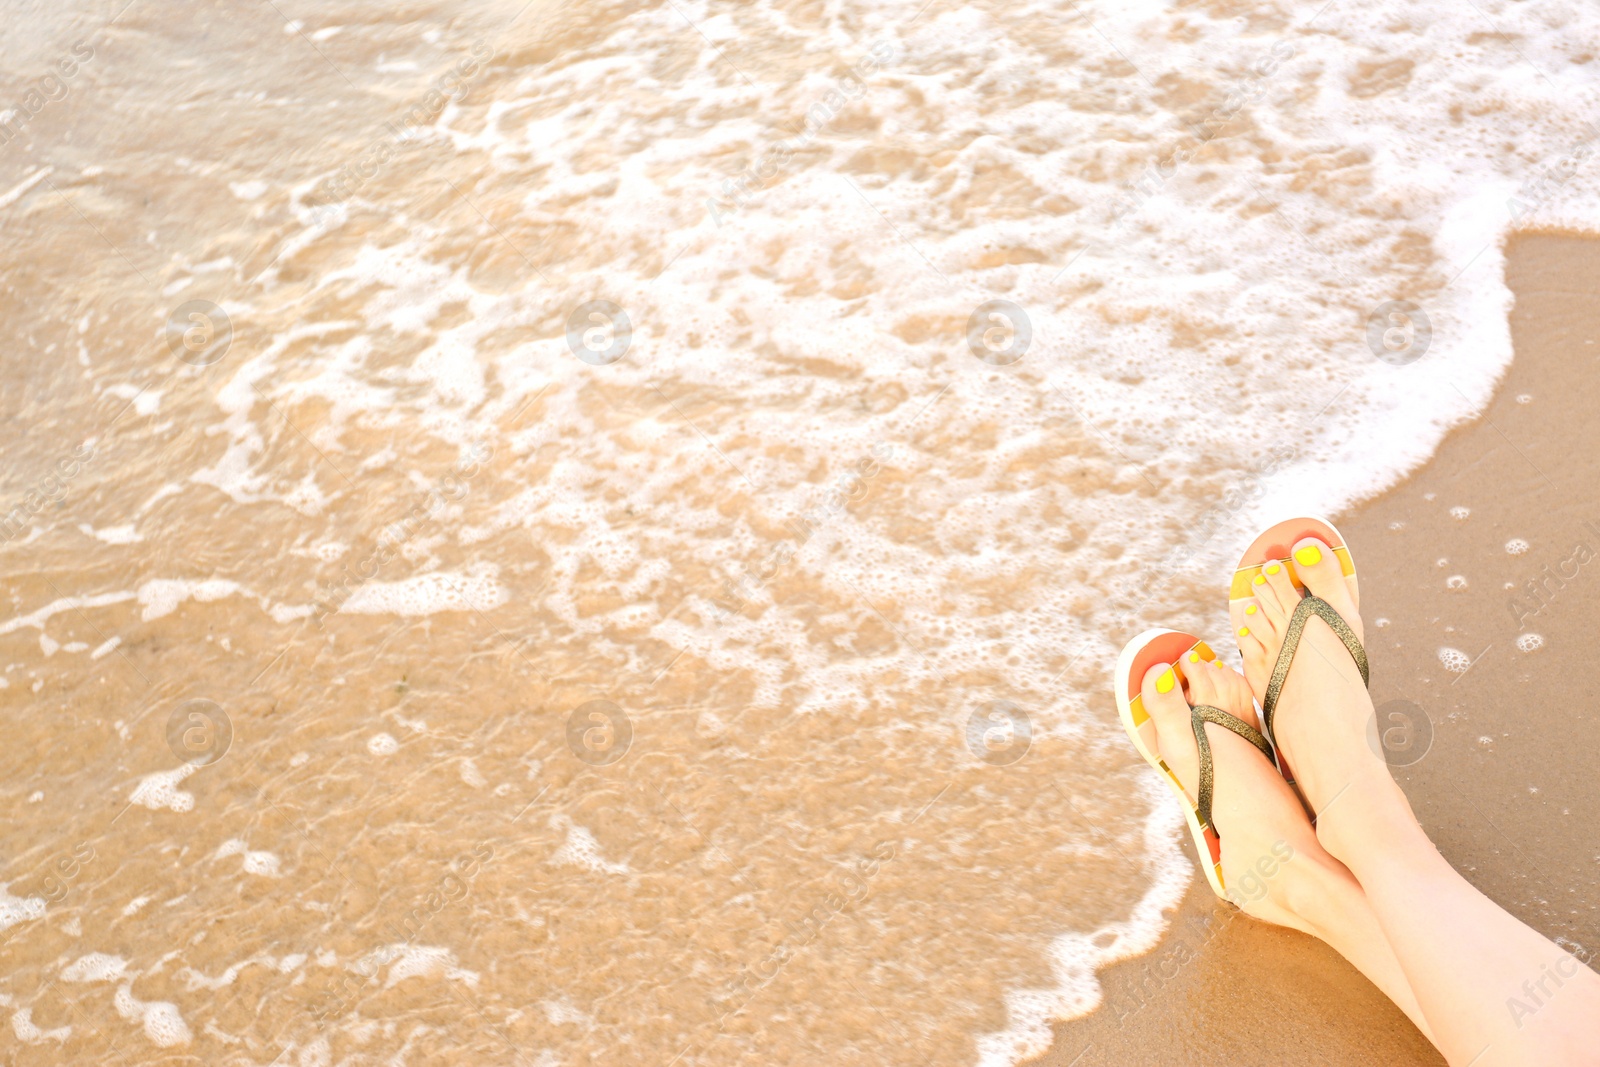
{"type": "Point", "coordinates": [146, 401]}
{"type": "Point", "coordinates": [1454, 660]}
{"type": "Point", "coordinates": [14, 910]}
{"type": "Point", "coordinates": [560, 1011]}
{"type": "Point", "coordinates": [38, 618]}
{"type": "Point", "coordinates": [16, 192]}
{"type": "Point", "coordinates": [580, 849]}
{"type": "Point", "coordinates": [160, 790]}
{"type": "Point", "coordinates": [113, 535]}
{"type": "Point", "coordinates": [194, 980]}
{"type": "Point", "coordinates": [476, 589]}
{"type": "Point", "coordinates": [413, 961]}
{"type": "Point", "coordinates": [1075, 958]}
{"type": "Point", "coordinates": [382, 745]}
{"type": "Point", "coordinates": [161, 596]}
{"type": "Point", "coordinates": [257, 862]}
{"type": "Point", "coordinates": [29, 1034]}
{"type": "Point", "coordinates": [96, 967]}
{"type": "Point", "coordinates": [160, 1019]}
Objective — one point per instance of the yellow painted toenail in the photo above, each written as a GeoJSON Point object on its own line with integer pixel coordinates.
{"type": "Point", "coordinates": [1251, 610]}
{"type": "Point", "coordinates": [1165, 683]}
{"type": "Point", "coordinates": [1273, 568]}
{"type": "Point", "coordinates": [1259, 580]}
{"type": "Point", "coordinates": [1194, 657]}
{"type": "Point", "coordinates": [1244, 631]}
{"type": "Point", "coordinates": [1217, 663]}
{"type": "Point", "coordinates": [1309, 556]}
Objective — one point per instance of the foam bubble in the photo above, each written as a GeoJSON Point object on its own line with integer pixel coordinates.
{"type": "Point", "coordinates": [161, 596]}
{"type": "Point", "coordinates": [413, 961]}
{"type": "Point", "coordinates": [22, 1025]}
{"type": "Point", "coordinates": [160, 790]}
{"type": "Point", "coordinates": [477, 589]}
{"type": "Point", "coordinates": [1460, 514]}
{"type": "Point", "coordinates": [1454, 660]}
{"type": "Point", "coordinates": [162, 1023]}
{"type": "Point", "coordinates": [38, 618]}
{"type": "Point", "coordinates": [114, 535]}
{"type": "Point", "coordinates": [580, 849]}
{"type": "Point", "coordinates": [96, 967]}
{"type": "Point", "coordinates": [264, 864]}
{"type": "Point", "coordinates": [193, 979]}
{"type": "Point", "coordinates": [1516, 546]}
{"type": "Point", "coordinates": [14, 910]}
{"type": "Point", "coordinates": [1530, 642]}
{"type": "Point", "coordinates": [382, 745]}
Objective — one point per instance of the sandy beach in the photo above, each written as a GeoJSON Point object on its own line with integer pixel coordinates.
{"type": "Point", "coordinates": [1500, 767]}
{"type": "Point", "coordinates": [566, 534]}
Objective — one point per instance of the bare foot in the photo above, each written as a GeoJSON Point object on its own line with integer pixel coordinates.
{"type": "Point", "coordinates": [1321, 720]}
{"type": "Point", "coordinates": [1272, 865]}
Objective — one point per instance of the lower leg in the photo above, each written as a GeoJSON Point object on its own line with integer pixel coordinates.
{"type": "Point", "coordinates": [1494, 990]}
{"type": "Point", "coordinates": [1337, 912]}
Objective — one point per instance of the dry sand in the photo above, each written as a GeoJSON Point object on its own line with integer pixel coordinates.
{"type": "Point", "coordinates": [1505, 784]}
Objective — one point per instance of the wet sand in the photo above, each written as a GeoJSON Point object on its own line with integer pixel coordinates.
{"type": "Point", "coordinates": [1504, 783]}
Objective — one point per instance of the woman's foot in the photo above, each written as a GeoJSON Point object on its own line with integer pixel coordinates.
{"type": "Point", "coordinates": [1323, 715]}
{"type": "Point", "coordinates": [1271, 862]}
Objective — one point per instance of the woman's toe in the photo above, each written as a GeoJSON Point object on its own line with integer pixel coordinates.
{"type": "Point", "coordinates": [1284, 595]}
{"type": "Point", "coordinates": [1318, 567]}
{"type": "Point", "coordinates": [1202, 680]}
{"type": "Point", "coordinates": [1162, 695]}
{"type": "Point", "coordinates": [1233, 690]}
{"type": "Point", "coordinates": [1255, 635]}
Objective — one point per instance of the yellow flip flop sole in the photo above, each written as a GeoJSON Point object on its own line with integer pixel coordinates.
{"type": "Point", "coordinates": [1138, 656]}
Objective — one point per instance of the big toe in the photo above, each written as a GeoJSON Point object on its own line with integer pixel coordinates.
{"type": "Point", "coordinates": [1163, 698]}
{"type": "Point", "coordinates": [1319, 567]}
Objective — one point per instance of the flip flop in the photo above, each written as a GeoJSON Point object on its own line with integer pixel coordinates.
{"type": "Point", "coordinates": [1274, 547]}
{"type": "Point", "coordinates": [1138, 656]}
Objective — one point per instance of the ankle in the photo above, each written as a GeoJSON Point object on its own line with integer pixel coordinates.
{"type": "Point", "coordinates": [1370, 817]}
{"type": "Point", "coordinates": [1318, 892]}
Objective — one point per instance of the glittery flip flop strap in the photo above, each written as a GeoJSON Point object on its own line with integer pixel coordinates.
{"type": "Point", "coordinates": [1307, 607]}
{"type": "Point", "coordinates": [1201, 714]}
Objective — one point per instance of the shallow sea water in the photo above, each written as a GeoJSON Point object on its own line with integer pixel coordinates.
{"type": "Point", "coordinates": [400, 664]}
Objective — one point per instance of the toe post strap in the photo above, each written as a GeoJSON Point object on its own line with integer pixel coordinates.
{"type": "Point", "coordinates": [1201, 714]}
{"type": "Point", "coordinates": [1309, 605]}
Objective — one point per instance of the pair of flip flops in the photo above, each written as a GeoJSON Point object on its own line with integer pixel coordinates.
{"type": "Point", "coordinates": [1272, 549]}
